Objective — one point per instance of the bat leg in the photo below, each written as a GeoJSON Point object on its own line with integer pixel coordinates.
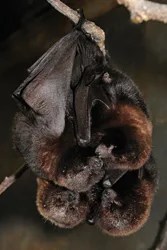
{"type": "Point", "coordinates": [24, 107]}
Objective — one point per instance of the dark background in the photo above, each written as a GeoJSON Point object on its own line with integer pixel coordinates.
{"type": "Point", "coordinates": [27, 29]}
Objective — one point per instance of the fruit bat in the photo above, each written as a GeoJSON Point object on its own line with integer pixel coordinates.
{"type": "Point", "coordinates": [83, 123]}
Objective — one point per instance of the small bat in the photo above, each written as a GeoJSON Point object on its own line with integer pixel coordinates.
{"type": "Point", "coordinates": [84, 123]}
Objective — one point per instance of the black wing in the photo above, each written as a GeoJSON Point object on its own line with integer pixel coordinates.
{"type": "Point", "coordinates": [75, 61]}
{"type": "Point", "coordinates": [44, 93]}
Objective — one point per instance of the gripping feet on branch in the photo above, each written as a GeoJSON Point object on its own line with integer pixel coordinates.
{"type": "Point", "coordinates": [81, 21]}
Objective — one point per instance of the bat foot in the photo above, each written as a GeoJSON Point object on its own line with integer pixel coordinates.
{"type": "Point", "coordinates": [78, 26]}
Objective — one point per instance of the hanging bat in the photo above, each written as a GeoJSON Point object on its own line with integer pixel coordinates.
{"type": "Point", "coordinates": [84, 123]}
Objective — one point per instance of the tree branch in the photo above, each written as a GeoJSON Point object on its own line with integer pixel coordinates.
{"type": "Point", "coordinates": [142, 10]}
{"type": "Point", "coordinates": [8, 181]}
{"type": "Point", "coordinates": [160, 242]}
{"type": "Point", "coordinates": [92, 30]}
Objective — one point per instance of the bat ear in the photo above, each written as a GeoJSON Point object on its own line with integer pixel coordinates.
{"type": "Point", "coordinates": [125, 209]}
{"type": "Point", "coordinates": [60, 206]}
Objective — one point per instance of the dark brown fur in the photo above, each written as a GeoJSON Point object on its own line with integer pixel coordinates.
{"type": "Point", "coordinates": [125, 208]}
{"type": "Point", "coordinates": [118, 211]}
{"type": "Point", "coordinates": [60, 206]}
{"type": "Point", "coordinates": [136, 131]}
{"type": "Point", "coordinates": [59, 160]}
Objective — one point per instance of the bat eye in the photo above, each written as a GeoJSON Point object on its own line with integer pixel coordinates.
{"type": "Point", "coordinates": [62, 207]}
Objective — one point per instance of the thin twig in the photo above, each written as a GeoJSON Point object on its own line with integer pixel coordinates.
{"type": "Point", "coordinates": [142, 10]}
{"type": "Point", "coordinates": [65, 10]}
{"type": "Point", "coordinates": [92, 30]}
{"type": "Point", "coordinates": [160, 242]}
{"type": "Point", "coordinates": [8, 181]}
